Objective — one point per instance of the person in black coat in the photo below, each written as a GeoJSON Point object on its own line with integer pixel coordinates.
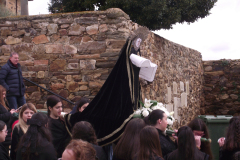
{"type": "Point", "coordinates": [158, 119]}
{"type": "Point", "coordinates": [36, 143]}
{"type": "Point", "coordinates": [83, 130]}
{"type": "Point", "coordinates": [56, 125]}
{"type": "Point", "coordinates": [3, 133]}
{"type": "Point", "coordinates": [231, 144]}
{"type": "Point", "coordinates": [11, 79]}
{"type": "Point", "coordinates": [6, 116]}
{"type": "Point", "coordinates": [187, 149]}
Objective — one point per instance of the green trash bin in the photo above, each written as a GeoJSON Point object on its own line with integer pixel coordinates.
{"type": "Point", "coordinates": [217, 126]}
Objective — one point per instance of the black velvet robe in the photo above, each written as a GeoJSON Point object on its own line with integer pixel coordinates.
{"type": "Point", "coordinates": [113, 106]}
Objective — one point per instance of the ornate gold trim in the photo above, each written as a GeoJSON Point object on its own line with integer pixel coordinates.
{"type": "Point", "coordinates": [117, 130]}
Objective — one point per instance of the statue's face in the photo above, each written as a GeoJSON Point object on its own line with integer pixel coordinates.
{"type": "Point", "coordinates": [138, 42]}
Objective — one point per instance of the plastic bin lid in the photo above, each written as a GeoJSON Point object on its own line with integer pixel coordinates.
{"type": "Point", "coordinates": [215, 119]}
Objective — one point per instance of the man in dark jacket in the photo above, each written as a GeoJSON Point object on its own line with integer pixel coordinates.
{"type": "Point", "coordinates": [11, 79]}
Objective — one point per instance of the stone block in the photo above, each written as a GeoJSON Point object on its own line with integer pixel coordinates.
{"type": "Point", "coordinates": [63, 32]}
{"type": "Point", "coordinates": [70, 49]}
{"type": "Point", "coordinates": [65, 25]}
{"type": "Point", "coordinates": [76, 30]}
{"type": "Point", "coordinates": [64, 93]}
{"type": "Point", "coordinates": [216, 73]}
{"type": "Point", "coordinates": [86, 39]}
{"type": "Point", "coordinates": [86, 20]}
{"type": "Point", "coordinates": [72, 86]}
{"type": "Point", "coordinates": [96, 84]}
{"type": "Point", "coordinates": [69, 78]}
{"type": "Point", "coordinates": [57, 86]}
{"type": "Point", "coordinates": [174, 88]}
{"type": "Point", "coordinates": [24, 47]}
{"type": "Point", "coordinates": [40, 39]}
{"type": "Point", "coordinates": [115, 44]}
{"type": "Point", "coordinates": [93, 29]}
{"type": "Point", "coordinates": [52, 28]}
{"type": "Point", "coordinates": [83, 88]}
{"type": "Point", "coordinates": [234, 96]}
{"type": "Point", "coordinates": [41, 74]}
{"type": "Point", "coordinates": [169, 94]}
{"type": "Point", "coordinates": [58, 65]}
{"type": "Point", "coordinates": [18, 33]}
{"type": "Point", "coordinates": [208, 68]}
{"type": "Point", "coordinates": [27, 39]}
{"type": "Point", "coordinates": [103, 28]}
{"type": "Point", "coordinates": [224, 96]}
{"type": "Point", "coordinates": [24, 24]}
{"type": "Point", "coordinates": [12, 40]}
{"type": "Point", "coordinates": [183, 99]}
{"type": "Point", "coordinates": [169, 107]}
{"type": "Point", "coordinates": [105, 64]}
{"type": "Point", "coordinates": [87, 64]}
{"type": "Point", "coordinates": [73, 66]}
{"type": "Point", "coordinates": [75, 40]}
{"type": "Point", "coordinates": [6, 32]}
{"type": "Point", "coordinates": [92, 47]}
{"type": "Point", "coordinates": [68, 20]}
{"type": "Point", "coordinates": [6, 48]}
{"type": "Point", "coordinates": [37, 68]}
{"type": "Point", "coordinates": [23, 56]}
{"type": "Point", "coordinates": [54, 48]}
{"type": "Point", "coordinates": [40, 62]}
{"type": "Point", "coordinates": [29, 74]}
{"type": "Point", "coordinates": [35, 96]}
{"type": "Point", "coordinates": [31, 89]}
{"type": "Point", "coordinates": [26, 63]}
{"type": "Point", "coordinates": [181, 86]}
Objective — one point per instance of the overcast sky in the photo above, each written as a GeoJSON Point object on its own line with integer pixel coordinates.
{"type": "Point", "coordinates": [216, 36]}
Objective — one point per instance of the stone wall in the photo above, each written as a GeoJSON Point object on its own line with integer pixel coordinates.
{"type": "Point", "coordinates": [72, 54]}
{"type": "Point", "coordinates": [11, 5]}
{"type": "Point", "coordinates": [221, 87]}
{"type": "Point", "coordinates": [178, 80]}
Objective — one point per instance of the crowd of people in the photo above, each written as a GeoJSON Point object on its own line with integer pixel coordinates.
{"type": "Point", "coordinates": [39, 136]}
{"type": "Point", "coordinates": [30, 135]}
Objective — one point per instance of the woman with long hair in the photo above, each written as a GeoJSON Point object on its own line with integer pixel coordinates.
{"type": "Point", "coordinates": [21, 127]}
{"type": "Point", "coordinates": [198, 125]}
{"type": "Point", "coordinates": [231, 145]}
{"type": "Point", "coordinates": [56, 124]}
{"type": "Point", "coordinates": [128, 145]}
{"type": "Point", "coordinates": [150, 148]}
{"type": "Point", "coordinates": [3, 133]}
{"type": "Point", "coordinates": [83, 130]}
{"type": "Point", "coordinates": [79, 150]}
{"type": "Point", "coordinates": [158, 119]}
{"type": "Point", "coordinates": [36, 142]}
{"type": "Point", "coordinates": [6, 115]}
{"type": "Point", "coordinates": [187, 149]}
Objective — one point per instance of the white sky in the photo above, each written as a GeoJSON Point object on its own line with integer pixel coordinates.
{"type": "Point", "coordinates": [216, 36]}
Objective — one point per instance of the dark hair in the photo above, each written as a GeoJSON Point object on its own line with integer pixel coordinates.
{"type": "Point", "coordinates": [199, 125]}
{"type": "Point", "coordinates": [232, 141]}
{"type": "Point", "coordinates": [84, 130]}
{"type": "Point", "coordinates": [2, 125]}
{"type": "Point", "coordinates": [82, 150]}
{"type": "Point", "coordinates": [186, 143]}
{"type": "Point", "coordinates": [149, 144]}
{"type": "Point", "coordinates": [81, 102]}
{"type": "Point", "coordinates": [51, 102]}
{"type": "Point", "coordinates": [154, 116]}
{"type": "Point", "coordinates": [36, 134]}
{"type": "Point", "coordinates": [128, 145]}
